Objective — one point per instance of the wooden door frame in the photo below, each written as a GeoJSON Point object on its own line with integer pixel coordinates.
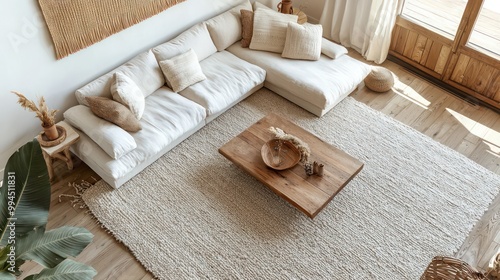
{"type": "Point", "coordinates": [460, 52]}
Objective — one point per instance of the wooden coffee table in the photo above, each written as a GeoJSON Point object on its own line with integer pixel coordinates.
{"type": "Point", "coordinates": [310, 194]}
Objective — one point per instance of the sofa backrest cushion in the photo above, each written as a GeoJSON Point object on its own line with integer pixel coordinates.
{"type": "Point", "coordinates": [225, 29]}
{"type": "Point", "coordinates": [257, 5]}
{"type": "Point", "coordinates": [142, 69]}
{"type": "Point", "coordinates": [269, 30]}
{"type": "Point", "coordinates": [196, 38]}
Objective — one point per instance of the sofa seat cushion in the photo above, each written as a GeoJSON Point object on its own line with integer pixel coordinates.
{"type": "Point", "coordinates": [228, 79]}
{"type": "Point", "coordinates": [166, 117]}
{"type": "Point", "coordinates": [111, 139]}
{"type": "Point", "coordinates": [323, 83]}
{"type": "Point", "coordinates": [171, 113]}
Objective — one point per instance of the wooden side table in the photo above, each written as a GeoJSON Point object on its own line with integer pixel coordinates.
{"type": "Point", "coordinates": [61, 150]}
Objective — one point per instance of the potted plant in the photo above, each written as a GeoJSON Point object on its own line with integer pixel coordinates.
{"type": "Point", "coordinates": [24, 208]}
{"type": "Point", "coordinates": [46, 116]}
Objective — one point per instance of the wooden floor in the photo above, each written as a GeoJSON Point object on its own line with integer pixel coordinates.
{"type": "Point", "coordinates": [472, 130]}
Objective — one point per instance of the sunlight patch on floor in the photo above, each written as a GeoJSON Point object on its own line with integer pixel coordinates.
{"type": "Point", "coordinates": [410, 94]}
{"type": "Point", "coordinates": [490, 136]}
{"type": "Point", "coordinates": [494, 149]}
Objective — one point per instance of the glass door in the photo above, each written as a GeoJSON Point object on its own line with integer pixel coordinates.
{"type": "Point", "coordinates": [485, 36]}
{"type": "Point", "coordinates": [454, 41]}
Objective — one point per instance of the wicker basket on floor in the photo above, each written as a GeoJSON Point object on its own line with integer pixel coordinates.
{"type": "Point", "coordinates": [447, 268]}
{"type": "Point", "coordinates": [380, 79]}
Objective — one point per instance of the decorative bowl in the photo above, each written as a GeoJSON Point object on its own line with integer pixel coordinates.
{"type": "Point", "coordinates": [280, 154]}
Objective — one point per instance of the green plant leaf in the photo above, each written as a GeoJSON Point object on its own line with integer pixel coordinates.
{"type": "Point", "coordinates": [25, 194]}
{"type": "Point", "coordinates": [67, 270]}
{"type": "Point", "coordinates": [53, 246]}
{"type": "Point", "coordinates": [7, 276]}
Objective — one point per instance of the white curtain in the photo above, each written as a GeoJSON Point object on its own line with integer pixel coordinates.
{"type": "Point", "coordinates": [364, 25]}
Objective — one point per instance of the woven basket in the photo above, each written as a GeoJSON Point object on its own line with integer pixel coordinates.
{"type": "Point", "coordinates": [447, 268]}
{"type": "Point", "coordinates": [380, 79]}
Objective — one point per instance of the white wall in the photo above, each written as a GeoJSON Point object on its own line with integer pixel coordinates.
{"type": "Point", "coordinates": [28, 64]}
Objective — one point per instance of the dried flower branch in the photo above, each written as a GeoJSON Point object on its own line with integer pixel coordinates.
{"type": "Point", "coordinates": [46, 116]}
{"type": "Point", "coordinates": [303, 148]}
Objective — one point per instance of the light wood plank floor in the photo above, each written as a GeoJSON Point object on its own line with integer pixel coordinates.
{"type": "Point", "coordinates": [472, 130]}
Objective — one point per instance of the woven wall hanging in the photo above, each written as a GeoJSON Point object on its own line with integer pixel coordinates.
{"type": "Point", "coordinates": [77, 24]}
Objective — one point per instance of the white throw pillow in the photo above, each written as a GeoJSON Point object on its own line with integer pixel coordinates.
{"type": "Point", "coordinates": [125, 91]}
{"type": "Point", "coordinates": [303, 41]}
{"type": "Point", "coordinates": [115, 141]}
{"type": "Point", "coordinates": [182, 70]}
{"type": "Point", "coordinates": [269, 30]}
{"type": "Point", "coordinates": [143, 69]}
{"type": "Point", "coordinates": [331, 49]}
{"type": "Point", "coordinates": [196, 38]}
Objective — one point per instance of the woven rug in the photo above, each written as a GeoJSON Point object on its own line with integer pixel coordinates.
{"type": "Point", "coordinates": [192, 214]}
{"type": "Point", "coordinates": [77, 24]}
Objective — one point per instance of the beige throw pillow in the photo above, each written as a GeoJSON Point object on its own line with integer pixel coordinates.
{"type": "Point", "coordinates": [303, 41]}
{"type": "Point", "coordinates": [182, 70]}
{"type": "Point", "coordinates": [114, 112]}
{"type": "Point", "coordinates": [246, 28]}
{"type": "Point", "coordinates": [125, 91]}
{"type": "Point", "coordinates": [269, 30]}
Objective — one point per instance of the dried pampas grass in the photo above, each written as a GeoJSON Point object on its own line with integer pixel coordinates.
{"type": "Point", "coordinates": [303, 148]}
{"type": "Point", "coordinates": [46, 116]}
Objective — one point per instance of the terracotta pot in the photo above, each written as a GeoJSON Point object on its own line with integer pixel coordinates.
{"type": "Point", "coordinates": [51, 132]}
{"type": "Point", "coordinates": [285, 7]}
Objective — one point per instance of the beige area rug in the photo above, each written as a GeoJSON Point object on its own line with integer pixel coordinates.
{"type": "Point", "coordinates": [194, 215]}
{"type": "Point", "coordinates": [77, 24]}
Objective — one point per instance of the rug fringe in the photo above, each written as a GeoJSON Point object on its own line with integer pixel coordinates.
{"type": "Point", "coordinates": [80, 189]}
{"type": "Point", "coordinates": [77, 201]}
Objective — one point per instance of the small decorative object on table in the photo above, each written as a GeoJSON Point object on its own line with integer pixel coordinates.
{"type": "Point", "coordinates": [318, 168]}
{"type": "Point", "coordinates": [280, 154]}
{"type": "Point", "coordinates": [303, 148]}
{"type": "Point", "coordinates": [46, 116]}
{"type": "Point", "coordinates": [310, 168]}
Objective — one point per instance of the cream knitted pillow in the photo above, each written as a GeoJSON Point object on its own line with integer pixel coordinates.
{"type": "Point", "coordinates": [269, 30]}
{"type": "Point", "coordinates": [303, 41]}
{"type": "Point", "coordinates": [125, 91]}
{"type": "Point", "coordinates": [182, 70]}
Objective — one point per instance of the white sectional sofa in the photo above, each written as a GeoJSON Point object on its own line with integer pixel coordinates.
{"type": "Point", "coordinates": [232, 74]}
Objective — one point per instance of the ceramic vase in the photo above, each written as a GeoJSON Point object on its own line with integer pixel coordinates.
{"type": "Point", "coordinates": [285, 7]}
{"type": "Point", "coordinates": [51, 132]}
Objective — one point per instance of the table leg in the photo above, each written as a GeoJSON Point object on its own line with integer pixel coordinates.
{"type": "Point", "coordinates": [69, 162]}
{"type": "Point", "coordinates": [48, 161]}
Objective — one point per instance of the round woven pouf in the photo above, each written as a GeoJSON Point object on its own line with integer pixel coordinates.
{"type": "Point", "coordinates": [380, 79]}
